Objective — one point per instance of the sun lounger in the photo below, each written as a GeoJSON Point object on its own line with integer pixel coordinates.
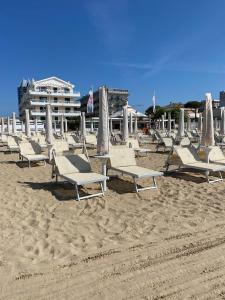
{"type": "Point", "coordinates": [134, 144]}
{"type": "Point", "coordinates": [28, 153]}
{"type": "Point", "coordinates": [12, 145]}
{"type": "Point", "coordinates": [188, 158]}
{"type": "Point", "coordinates": [76, 169]}
{"type": "Point", "coordinates": [72, 143]}
{"type": "Point", "coordinates": [91, 140]}
{"type": "Point", "coordinates": [123, 161]}
{"type": "Point", "coordinates": [166, 143]}
{"type": "Point", "coordinates": [216, 156]}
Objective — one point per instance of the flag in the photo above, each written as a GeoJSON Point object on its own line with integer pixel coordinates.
{"type": "Point", "coordinates": [153, 101]}
{"type": "Point", "coordinates": [90, 103]}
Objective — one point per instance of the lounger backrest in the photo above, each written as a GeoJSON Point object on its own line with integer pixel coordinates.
{"type": "Point", "coordinates": [216, 154]}
{"type": "Point", "coordinates": [26, 148]}
{"type": "Point", "coordinates": [168, 141]}
{"type": "Point", "coordinates": [70, 140]}
{"type": "Point", "coordinates": [68, 164]}
{"type": "Point", "coordinates": [60, 146]}
{"type": "Point", "coordinates": [91, 139]}
{"type": "Point", "coordinates": [11, 141]}
{"type": "Point", "coordinates": [132, 143]}
{"type": "Point", "coordinates": [185, 141]}
{"type": "Point", "coordinates": [122, 157]}
{"type": "Point", "coordinates": [186, 155]}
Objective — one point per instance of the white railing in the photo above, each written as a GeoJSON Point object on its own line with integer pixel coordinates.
{"type": "Point", "coordinates": [43, 102]}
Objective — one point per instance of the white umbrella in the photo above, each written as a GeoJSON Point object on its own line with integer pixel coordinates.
{"type": "Point", "coordinates": [8, 125]}
{"type": "Point", "coordinates": [180, 133]}
{"type": "Point", "coordinates": [62, 125]}
{"type": "Point", "coordinates": [131, 123]}
{"type": "Point", "coordinates": [14, 123]}
{"type": "Point", "coordinates": [110, 125]}
{"type": "Point", "coordinates": [135, 125]}
{"type": "Point", "coordinates": [36, 125]}
{"type": "Point", "coordinates": [200, 123]}
{"type": "Point", "coordinates": [222, 123]}
{"type": "Point", "coordinates": [169, 122]}
{"type": "Point", "coordinates": [27, 123]}
{"type": "Point", "coordinates": [188, 123]}
{"type": "Point", "coordinates": [163, 123]}
{"type": "Point", "coordinates": [48, 124]}
{"type": "Point", "coordinates": [83, 125]}
{"type": "Point", "coordinates": [208, 130]}
{"type": "Point", "coordinates": [125, 124]}
{"type": "Point", "coordinates": [66, 127]}
{"type": "Point", "coordinates": [103, 126]}
{"type": "Point", "coordinates": [2, 126]}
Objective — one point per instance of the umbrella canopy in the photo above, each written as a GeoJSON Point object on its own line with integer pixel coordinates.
{"type": "Point", "coordinates": [61, 125]}
{"type": "Point", "coordinates": [163, 123]}
{"type": "Point", "coordinates": [36, 125]}
{"type": "Point", "coordinates": [200, 123]}
{"type": "Point", "coordinates": [83, 125]}
{"type": "Point", "coordinates": [222, 123]}
{"type": "Point", "coordinates": [48, 124]}
{"type": "Point", "coordinates": [8, 125]}
{"type": "Point", "coordinates": [208, 130]}
{"type": "Point", "coordinates": [131, 124]}
{"type": "Point", "coordinates": [180, 133]}
{"type": "Point", "coordinates": [169, 122]}
{"type": "Point", "coordinates": [14, 123]}
{"type": "Point", "coordinates": [125, 124]}
{"type": "Point", "coordinates": [2, 126]}
{"type": "Point", "coordinates": [103, 126]}
{"type": "Point", "coordinates": [135, 125]}
{"type": "Point", "coordinates": [27, 123]}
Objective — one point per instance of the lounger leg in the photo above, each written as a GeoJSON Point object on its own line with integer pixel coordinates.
{"type": "Point", "coordinates": [77, 192]}
{"type": "Point", "coordinates": [154, 181]}
{"type": "Point", "coordinates": [135, 185]}
{"type": "Point", "coordinates": [29, 163]}
{"type": "Point", "coordinates": [102, 189]}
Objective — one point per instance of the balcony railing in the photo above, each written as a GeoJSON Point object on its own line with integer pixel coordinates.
{"type": "Point", "coordinates": [71, 113]}
{"type": "Point", "coordinates": [55, 93]}
{"type": "Point", "coordinates": [43, 102]}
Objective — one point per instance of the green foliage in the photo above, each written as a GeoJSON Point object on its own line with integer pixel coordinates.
{"type": "Point", "coordinates": [193, 104]}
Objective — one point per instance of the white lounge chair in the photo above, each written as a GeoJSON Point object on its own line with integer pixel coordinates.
{"type": "Point", "coordinates": [216, 155]}
{"type": "Point", "coordinates": [188, 158]}
{"type": "Point", "coordinates": [72, 143]}
{"type": "Point", "coordinates": [134, 144]}
{"type": "Point", "coordinates": [166, 143]}
{"type": "Point", "coordinates": [12, 145]}
{"type": "Point", "coordinates": [76, 169]}
{"type": "Point", "coordinates": [91, 140]}
{"type": "Point", "coordinates": [28, 153]}
{"type": "Point", "coordinates": [123, 161]}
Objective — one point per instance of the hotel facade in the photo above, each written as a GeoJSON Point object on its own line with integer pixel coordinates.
{"type": "Point", "coordinates": [35, 95]}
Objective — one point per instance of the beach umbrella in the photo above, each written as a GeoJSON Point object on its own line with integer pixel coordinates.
{"type": "Point", "coordinates": [62, 125]}
{"type": "Point", "coordinates": [83, 125]}
{"type": "Point", "coordinates": [66, 125]}
{"type": "Point", "coordinates": [207, 128]}
{"type": "Point", "coordinates": [8, 125]}
{"type": "Point", "coordinates": [222, 123]}
{"type": "Point", "coordinates": [125, 124]}
{"type": "Point", "coordinates": [103, 125]}
{"type": "Point", "coordinates": [163, 123]}
{"type": "Point", "coordinates": [169, 122]}
{"type": "Point", "coordinates": [2, 126]}
{"type": "Point", "coordinates": [14, 123]}
{"type": "Point", "coordinates": [200, 123]}
{"type": "Point", "coordinates": [135, 125]}
{"type": "Point", "coordinates": [180, 133]}
{"type": "Point", "coordinates": [36, 125]}
{"type": "Point", "coordinates": [48, 125]}
{"type": "Point", "coordinates": [55, 127]}
{"type": "Point", "coordinates": [131, 123]}
{"type": "Point", "coordinates": [27, 123]}
{"type": "Point", "coordinates": [188, 123]}
{"type": "Point", "coordinates": [110, 125]}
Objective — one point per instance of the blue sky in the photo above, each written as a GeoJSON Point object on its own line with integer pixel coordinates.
{"type": "Point", "coordinates": [176, 47]}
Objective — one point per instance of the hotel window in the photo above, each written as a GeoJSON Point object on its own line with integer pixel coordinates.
{"type": "Point", "coordinates": [67, 109]}
{"type": "Point", "coordinates": [66, 90]}
{"type": "Point", "coordinates": [67, 100]}
{"type": "Point", "coordinates": [42, 118]}
{"type": "Point", "coordinates": [55, 99]}
{"type": "Point", "coordinates": [55, 109]}
{"type": "Point", "coordinates": [42, 89]}
{"type": "Point", "coordinates": [55, 90]}
{"type": "Point", "coordinates": [42, 109]}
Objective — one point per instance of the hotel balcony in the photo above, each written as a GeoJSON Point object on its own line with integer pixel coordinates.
{"type": "Point", "coordinates": [72, 113]}
{"type": "Point", "coordinates": [39, 102]}
{"type": "Point", "coordinates": [55, 94]}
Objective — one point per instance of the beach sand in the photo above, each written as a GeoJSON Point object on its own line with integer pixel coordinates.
{"type": "Point", "coordinates": [159, 244]}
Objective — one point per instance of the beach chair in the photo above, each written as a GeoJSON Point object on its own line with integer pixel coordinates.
{"type": "Point", "coordinates": [3, 140]}
{"type": "Point", "coordinates": [216, 155]}
{"type": "Point", "coordinates": [188, 158]}
{"type": "Point", "coordinates": [122, 160]}
{"type": "Point", "coordinates": [12, 145]}
{"type": "Point", "coordinates": [28, 153]}
{"type": "Point", "coordinates": [166, 143]}
{"type": "Point", "coordinates": [134, 144]}
{"type": "Point", "coordinates": [72, 143]}
{"type": "Point", "coordinates": [185, 141]}
{"type": "Point", "coordinates": [91, 141]}
{"type": "Point", "coordinates": [76, 169]}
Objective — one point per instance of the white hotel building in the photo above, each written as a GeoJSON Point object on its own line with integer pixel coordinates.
{"type": "Point", "coordinates": [34, 95]}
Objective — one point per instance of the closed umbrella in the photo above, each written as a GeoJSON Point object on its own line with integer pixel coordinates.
{"type": "Point", "coordinates": [8, 125]}
{"type": "Point", "coordinates": [222, 123]}
{"type": "Point", "coordinates": [66, 127]}
{"type": "Point", "coordinates": [83, 125]}
{"type": "Point", "coordinates": [169, 122]}
{"type": "Point", "coordinates": [208, 129]}
{"type": "Point", "coordinates": [135, 125]}
{"type": "Point", "coordinates": [110, 125]}
{"type": "Point", "coordinates": [163, 123]}
{"type": "Point", "coordinates": [103, 126]}
{"type": "Point", "coordinates": [62, 125]}
{"type": "Point", "coordinates": [2, 127]}
{"type": "Point", "coordinates": [125, 124]}
{"type": "Point", "coordinates": [188, 123]}
{"type": "Point", "coordinates": [131, 123]}
{"type": "Point", "coordinates": [14, 123]}
{"type": "Point", "coordinates": [200, 123]}
{"type": "Point", "coordinates": [48, 124]}
{"type": "Point", "coordinates": [27, 123]}
{"type": "Point", "coordinates": [36, 125]}
{"type": "Point", "coordinates": [180, 133]}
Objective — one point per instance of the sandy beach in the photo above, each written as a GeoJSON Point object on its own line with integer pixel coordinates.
{"type": "Point", "coordinates": [160, 244]}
